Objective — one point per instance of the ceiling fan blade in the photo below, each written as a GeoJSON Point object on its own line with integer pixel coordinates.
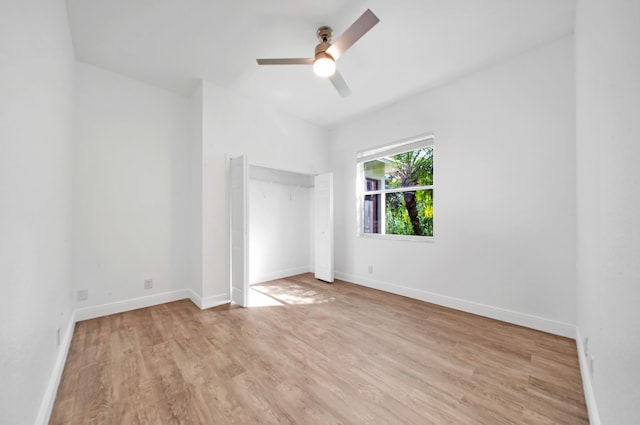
{"type": "Point", "coordinates": [340, 85]}
{"type": "Point", "coordinates": [359, 28]}
{"type": "Point", "coordinates": [286, 61]}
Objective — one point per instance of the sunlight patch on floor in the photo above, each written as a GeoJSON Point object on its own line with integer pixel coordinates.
{"type": "Point", "coordinates": [271, 295]}
{"type": "Point", "coordinates": [258, 299]}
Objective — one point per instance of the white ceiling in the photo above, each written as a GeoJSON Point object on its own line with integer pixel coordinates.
{"type": "Point", "coordinates": [417, 45]}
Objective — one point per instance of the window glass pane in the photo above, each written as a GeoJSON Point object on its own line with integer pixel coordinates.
{"type": "Point", "coordinates": [413, 168]}
{"type": "Point", "coordinates": [372, 213]}
{"type": "Point", "coordinates": [374, 175]}
{"type": "Point", "coordinates": [409, 213]}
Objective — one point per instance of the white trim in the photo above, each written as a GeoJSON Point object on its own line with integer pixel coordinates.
{"type": "Point", "coordinates": [505, 315]}
{"type": "Point", "coordinates": [397, 190]}
{"type": "Point", "coordinates": [208, 302]}
{"type": "Point", "coordinates": [195, 298]}
{"type": "Point", "coordinates": [49, 397]}
{"type": "Point", "coordinates": [214, 301]}
{"type": "Point", "coordinates": [87, 313]}
{"type": "Point", "coordinates": [391, 237]}
{"type": "Point", "coordinates": [400, 146]}
{"type": "Point", "coordinates": [279, 274]}
{"type": "Point", "coordinates": [592, 408]}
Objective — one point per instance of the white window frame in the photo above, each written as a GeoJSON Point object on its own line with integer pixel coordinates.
{"type": "Point", "coordinates": [404, 145]}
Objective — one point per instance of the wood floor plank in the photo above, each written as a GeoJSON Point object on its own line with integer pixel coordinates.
{"type": "Point", "coordinates": [322, 354]}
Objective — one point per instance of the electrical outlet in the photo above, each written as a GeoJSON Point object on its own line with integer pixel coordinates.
{"type": "Point", "coordinates": [148, 283]}
{"type": "Point", "coordinates": [83, 294]}
{"type": "Point", "coordinates": [58, 337]}
{"type": "Point", "coordinates": [370, 269]}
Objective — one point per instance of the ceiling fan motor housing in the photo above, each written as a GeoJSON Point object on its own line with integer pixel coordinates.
{"type": "Point", "coordinates": [324, 35]}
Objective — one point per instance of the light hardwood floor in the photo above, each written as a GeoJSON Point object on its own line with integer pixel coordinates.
{"type": "Point", "coordinates": [328, 354]}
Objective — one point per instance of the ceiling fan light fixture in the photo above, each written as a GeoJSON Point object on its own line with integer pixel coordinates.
{"type": "Point", "coordinates": [324, 66]}
{"type": "Point", "coordinates": [326, 52]}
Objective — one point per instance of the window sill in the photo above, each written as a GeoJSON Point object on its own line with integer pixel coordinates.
{"type": "Point", "coordinates": [419, 239]}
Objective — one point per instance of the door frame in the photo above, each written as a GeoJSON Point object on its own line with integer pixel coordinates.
{"type": "Point", "coordinates": [238, 221]}
{"type": "Point", "coordinates": [323, 234]}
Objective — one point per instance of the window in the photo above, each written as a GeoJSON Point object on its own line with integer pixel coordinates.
{"type": "Point", "coordinates": [397, 189]}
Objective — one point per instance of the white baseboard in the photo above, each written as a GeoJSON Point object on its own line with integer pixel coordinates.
{"type": "Point", "coordinates": [195, 298]}
{"type": "Point", "coordinates": [130, 304]}
{"type": "Point", "coordinates": [49, 398]}
{"type": "Point", "coordinates": [592, 408]}
{"type": "Point", "coordinates": [208, 302]}
{"type": "Point", "coordinates": [279, 274]}
{"type": "Point", "coordinates": [214, 301]}
{"type": "Point", "coordinates": [510, 316]}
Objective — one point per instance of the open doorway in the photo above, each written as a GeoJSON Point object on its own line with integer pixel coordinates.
{"type": "Point", "coordinates": [273, 223]}
{"type": "Point", "coordinates": [280, 223]}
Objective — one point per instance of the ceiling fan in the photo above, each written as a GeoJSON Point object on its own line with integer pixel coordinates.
{"type": "Point", "coordinates": [324, 62]}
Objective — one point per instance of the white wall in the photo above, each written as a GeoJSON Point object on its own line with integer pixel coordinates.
{"type": "Point", "coordinates": [280, 229]}
{"type": "Point", "coordinates": [234, 126]}
{"type": "Point", "coordinates": [608, 105]}
{"type": "Point", "coordinates": [130, 197]}
{"type": "Point", "coordinates": [36, 92]}
{"type": "Point", "coordinates": [504, 196]}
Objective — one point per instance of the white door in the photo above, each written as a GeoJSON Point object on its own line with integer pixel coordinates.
{"type": "Point", "coordinates": [323, 235]}
{"type": "Point", "coordinates": [238, 196]}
